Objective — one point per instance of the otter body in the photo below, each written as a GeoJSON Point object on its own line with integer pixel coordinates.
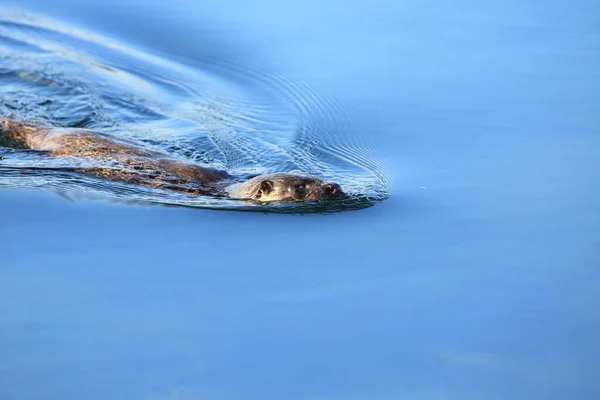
{"type": "Point", "coordinates": [118, 159]}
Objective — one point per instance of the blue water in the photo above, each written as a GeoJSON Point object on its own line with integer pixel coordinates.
{"type": "Point", "coordinates": [478, 278]}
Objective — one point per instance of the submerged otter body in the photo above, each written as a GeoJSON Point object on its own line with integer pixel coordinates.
{"type": "Point", "coordinates": [112, 158]}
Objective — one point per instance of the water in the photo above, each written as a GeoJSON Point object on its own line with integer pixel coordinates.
{"type": "Point", "coordinates": [477, 278]}
{"type": "Point", "coordinates": [236, 118]}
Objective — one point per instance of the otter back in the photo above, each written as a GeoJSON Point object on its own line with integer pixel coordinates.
{"type": "Point", "coordinates": [113, 158]}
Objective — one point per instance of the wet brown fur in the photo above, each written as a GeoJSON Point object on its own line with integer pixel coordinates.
{"type": "Point", "coordinates": [124, 160]}
{"type": "Point", "coordinates": [115, 159]}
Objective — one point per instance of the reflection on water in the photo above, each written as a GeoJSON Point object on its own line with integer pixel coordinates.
{"type": "Point", "coordinates": [259, 123]}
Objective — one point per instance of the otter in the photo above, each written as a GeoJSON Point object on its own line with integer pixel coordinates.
{"type": "Point", "coordinates": [106, 156]}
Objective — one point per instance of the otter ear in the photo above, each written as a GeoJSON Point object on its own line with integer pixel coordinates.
{"type": "Point", "coordinates": [266, 187]}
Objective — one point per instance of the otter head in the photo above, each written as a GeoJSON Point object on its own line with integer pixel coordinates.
{"type": "Point", "coordinates": [284, 187]}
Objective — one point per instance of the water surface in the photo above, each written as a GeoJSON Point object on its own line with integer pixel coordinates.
{"type": "Point", "coordinates": [477, 279]}
{"type": "Point", "coordinates": [223, 115]}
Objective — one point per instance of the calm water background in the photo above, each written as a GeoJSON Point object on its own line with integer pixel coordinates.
{"type": "Point", "coordinates": [478, 279]}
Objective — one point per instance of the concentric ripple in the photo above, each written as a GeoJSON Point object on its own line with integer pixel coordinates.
{"type": "Point", "coordinates": [68, 77]}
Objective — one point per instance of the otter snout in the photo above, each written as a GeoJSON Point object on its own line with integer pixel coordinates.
{"type": "Point", "coordinates": [332, 190]}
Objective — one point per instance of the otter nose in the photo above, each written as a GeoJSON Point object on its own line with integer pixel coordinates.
{"type": "Point", "coordinates": [332, 189]}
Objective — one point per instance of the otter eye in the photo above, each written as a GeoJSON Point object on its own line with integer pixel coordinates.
{"type": "Point", "coordinates": [329, 188]}
{"type": "Point", "coordinates": [300, 191]}
{"type": "Point", "coordinates": [264, 189]}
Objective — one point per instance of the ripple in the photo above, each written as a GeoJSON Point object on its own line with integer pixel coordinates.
{"type": "Point", "coordinates": [229, 115]}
